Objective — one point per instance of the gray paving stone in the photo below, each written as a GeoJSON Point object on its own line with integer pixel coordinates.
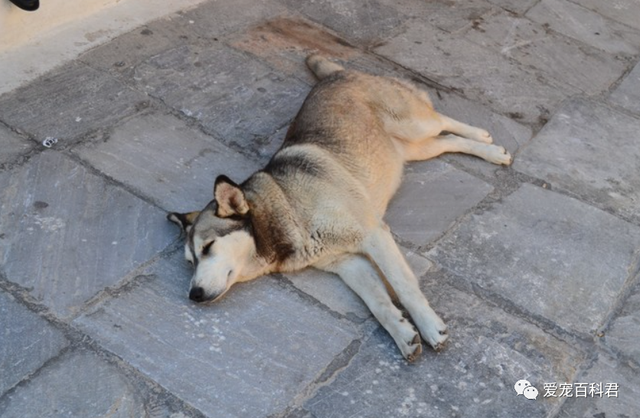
{"type": "Point", "coordinates": [450, 16]}
{"type": "Point", "coordinates": [557, 57]}
{"type": "Point", "coordinates": [624, 332]}
{"type": "Point", "coordinates": [362, 23]}
{"type": "Point", "coordinates": [235, 97]}
{"type": "Point", "coordinates": [588, 150]}
{"type": "Point", "coordinates": [11, 146]}
{"type": "Point", "coordinates": [474, 376]}
{"type": "Point", "coordinates": [120, 55]}
{"type": "Point", "coordinates": [213, 19]}
{"type": "Point", "coordinates": [69, 102]}
{"type": "Point", "coordinates": [625, 11]}
{"type": "Point", "coordinates": [482, 74]}
{"type": "Point", "coordinates": [299, 413]}
{"type": "Point", "coordinates": [628, 92]}
{"type": "Point", "coordinates": [606, 370]}
{"type": "Point", "coordinates": [586, 26]}
{"type": "Point", "coordinates": [249, 354]}
{"type": "Point", "coordinates": [432, 196]}
{"type": "Point", "coordinates": [24, 332]}
{"type": "Point", "coordinates": [79, 385]}
{"type": "Point", "coordinates": [166, 160]}
{"type": "Point", "coordinates": [267, 148]}
{"type": "Point", "coordinates": [515, 6]}
{"type": "Point", "coordinates": [67, 234]}
{"type": "Point", "coordinates": [330, 290]}
{"type": "Point", "coordinates": [550, 255]}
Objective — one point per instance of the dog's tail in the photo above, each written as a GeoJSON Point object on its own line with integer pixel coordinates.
{"type": "Point", "coordinates": [321, 66]}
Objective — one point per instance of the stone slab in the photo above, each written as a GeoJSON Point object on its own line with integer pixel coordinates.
{"type": "Point", "coordinates": [67, 233]}
{"type": "Point", "coordinates": [165, 159]}
{"type": "Point", "coordinates": [586, 26]}
{"type": "Point", "coordinates": [569, 63]}
{"type": "Point", "coordinates": [213, 19]}
{"type": "Point", "coordinates": [205, 23]}
{"type": "Point", "coordinates": [249, 354]}
{"type": "Point", "coordinates": [590, 151]}
{"type": "Point", "coordinates": [606, 371]}
{"type": "Point", "coordinates": [625, 11]}
{"type": "Point", "coordinates": [433, 195]}
{"type": "Point", "coordinates": [624, 332]}
{"type": "Point", "coordinates": [550, 255]}
{"type": "Point", "coordinates": [267, 148]}
{"type": "Point", "coordinates": [120, 56]}
{"type": "Point", "coordinates": [483, 75]}
{"type": "Point", "coordinates": [627, 94]}
{"type": "Point", "coordinates": [235, 97]}
{"type": "Point", "coordinates": [69, 102]}
{"type": "Point", "coordinates": [12, 147]}
{"type": "Point", "coordinates": [331, 291]}
{"type": "Point", "coordinates": [515, 6]}
{"type": "Point", "coordinates": [361, 24]}
{"type": "Point", "coordinates": [78, 385]}
{"type": "Point", "coordinates": [474, 376]}
{"type": "Point", "coordinates": [450, 16]}
{"type": "Point", "coordinates": [22, 332]}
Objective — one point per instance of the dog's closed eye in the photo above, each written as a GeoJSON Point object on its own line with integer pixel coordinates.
{"type": "Point", "coordinates": [207, 248]}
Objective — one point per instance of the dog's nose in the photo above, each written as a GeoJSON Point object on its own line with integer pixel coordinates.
{"type": "Point", "coordinates": [196, 294]}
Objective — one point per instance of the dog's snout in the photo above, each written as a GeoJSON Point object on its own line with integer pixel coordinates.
{"type": "Point", "coordinates": [197, 294]}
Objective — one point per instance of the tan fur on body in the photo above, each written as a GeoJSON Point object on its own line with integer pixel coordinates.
{"type": "Point", "coordinates": [321, 199]}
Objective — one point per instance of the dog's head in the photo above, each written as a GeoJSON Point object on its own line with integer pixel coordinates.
{"type": "Point", "coordinates": [219, 243]}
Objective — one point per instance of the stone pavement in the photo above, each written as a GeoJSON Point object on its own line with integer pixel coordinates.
{"type": "Point", "coordinates": [534, 267]}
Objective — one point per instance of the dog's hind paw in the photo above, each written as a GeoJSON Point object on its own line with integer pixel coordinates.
{"type": "Point", "coordinates": [499, 155]}
{"type": "Point", "coordinates": [484, 136]}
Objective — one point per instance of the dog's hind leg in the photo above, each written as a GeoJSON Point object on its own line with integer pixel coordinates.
{"type": "Point", "coordinates": [453, 143]}
{"type": "Point", "coordinates": [380, 247]}
{"type": "Point", "coordinates": [362, 277]}
{"type": "Point", "coordinates": [467, 131]}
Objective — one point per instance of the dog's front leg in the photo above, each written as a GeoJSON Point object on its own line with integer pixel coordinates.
{"type": "Point", "coordinates": [384, 252]}
{"type": "Point", "coordinates": [362, 277]}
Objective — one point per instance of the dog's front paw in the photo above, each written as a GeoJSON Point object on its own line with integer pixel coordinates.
{"type": "Point", "coordinates": [436, 334]}
{"type": "Point", "coordinates": [412, 349]}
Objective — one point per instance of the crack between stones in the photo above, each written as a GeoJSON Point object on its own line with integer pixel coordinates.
{"type": "Point", "coordinates": [339, 363]}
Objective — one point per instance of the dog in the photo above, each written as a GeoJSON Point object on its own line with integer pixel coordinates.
{"type": "Point", "coordinates": [321, 199]}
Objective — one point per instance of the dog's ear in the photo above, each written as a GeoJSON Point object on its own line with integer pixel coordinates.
{"type": "Point", "coordinates": [230, 198]}
{"type": "Point", "coordinates": [183, 220]}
